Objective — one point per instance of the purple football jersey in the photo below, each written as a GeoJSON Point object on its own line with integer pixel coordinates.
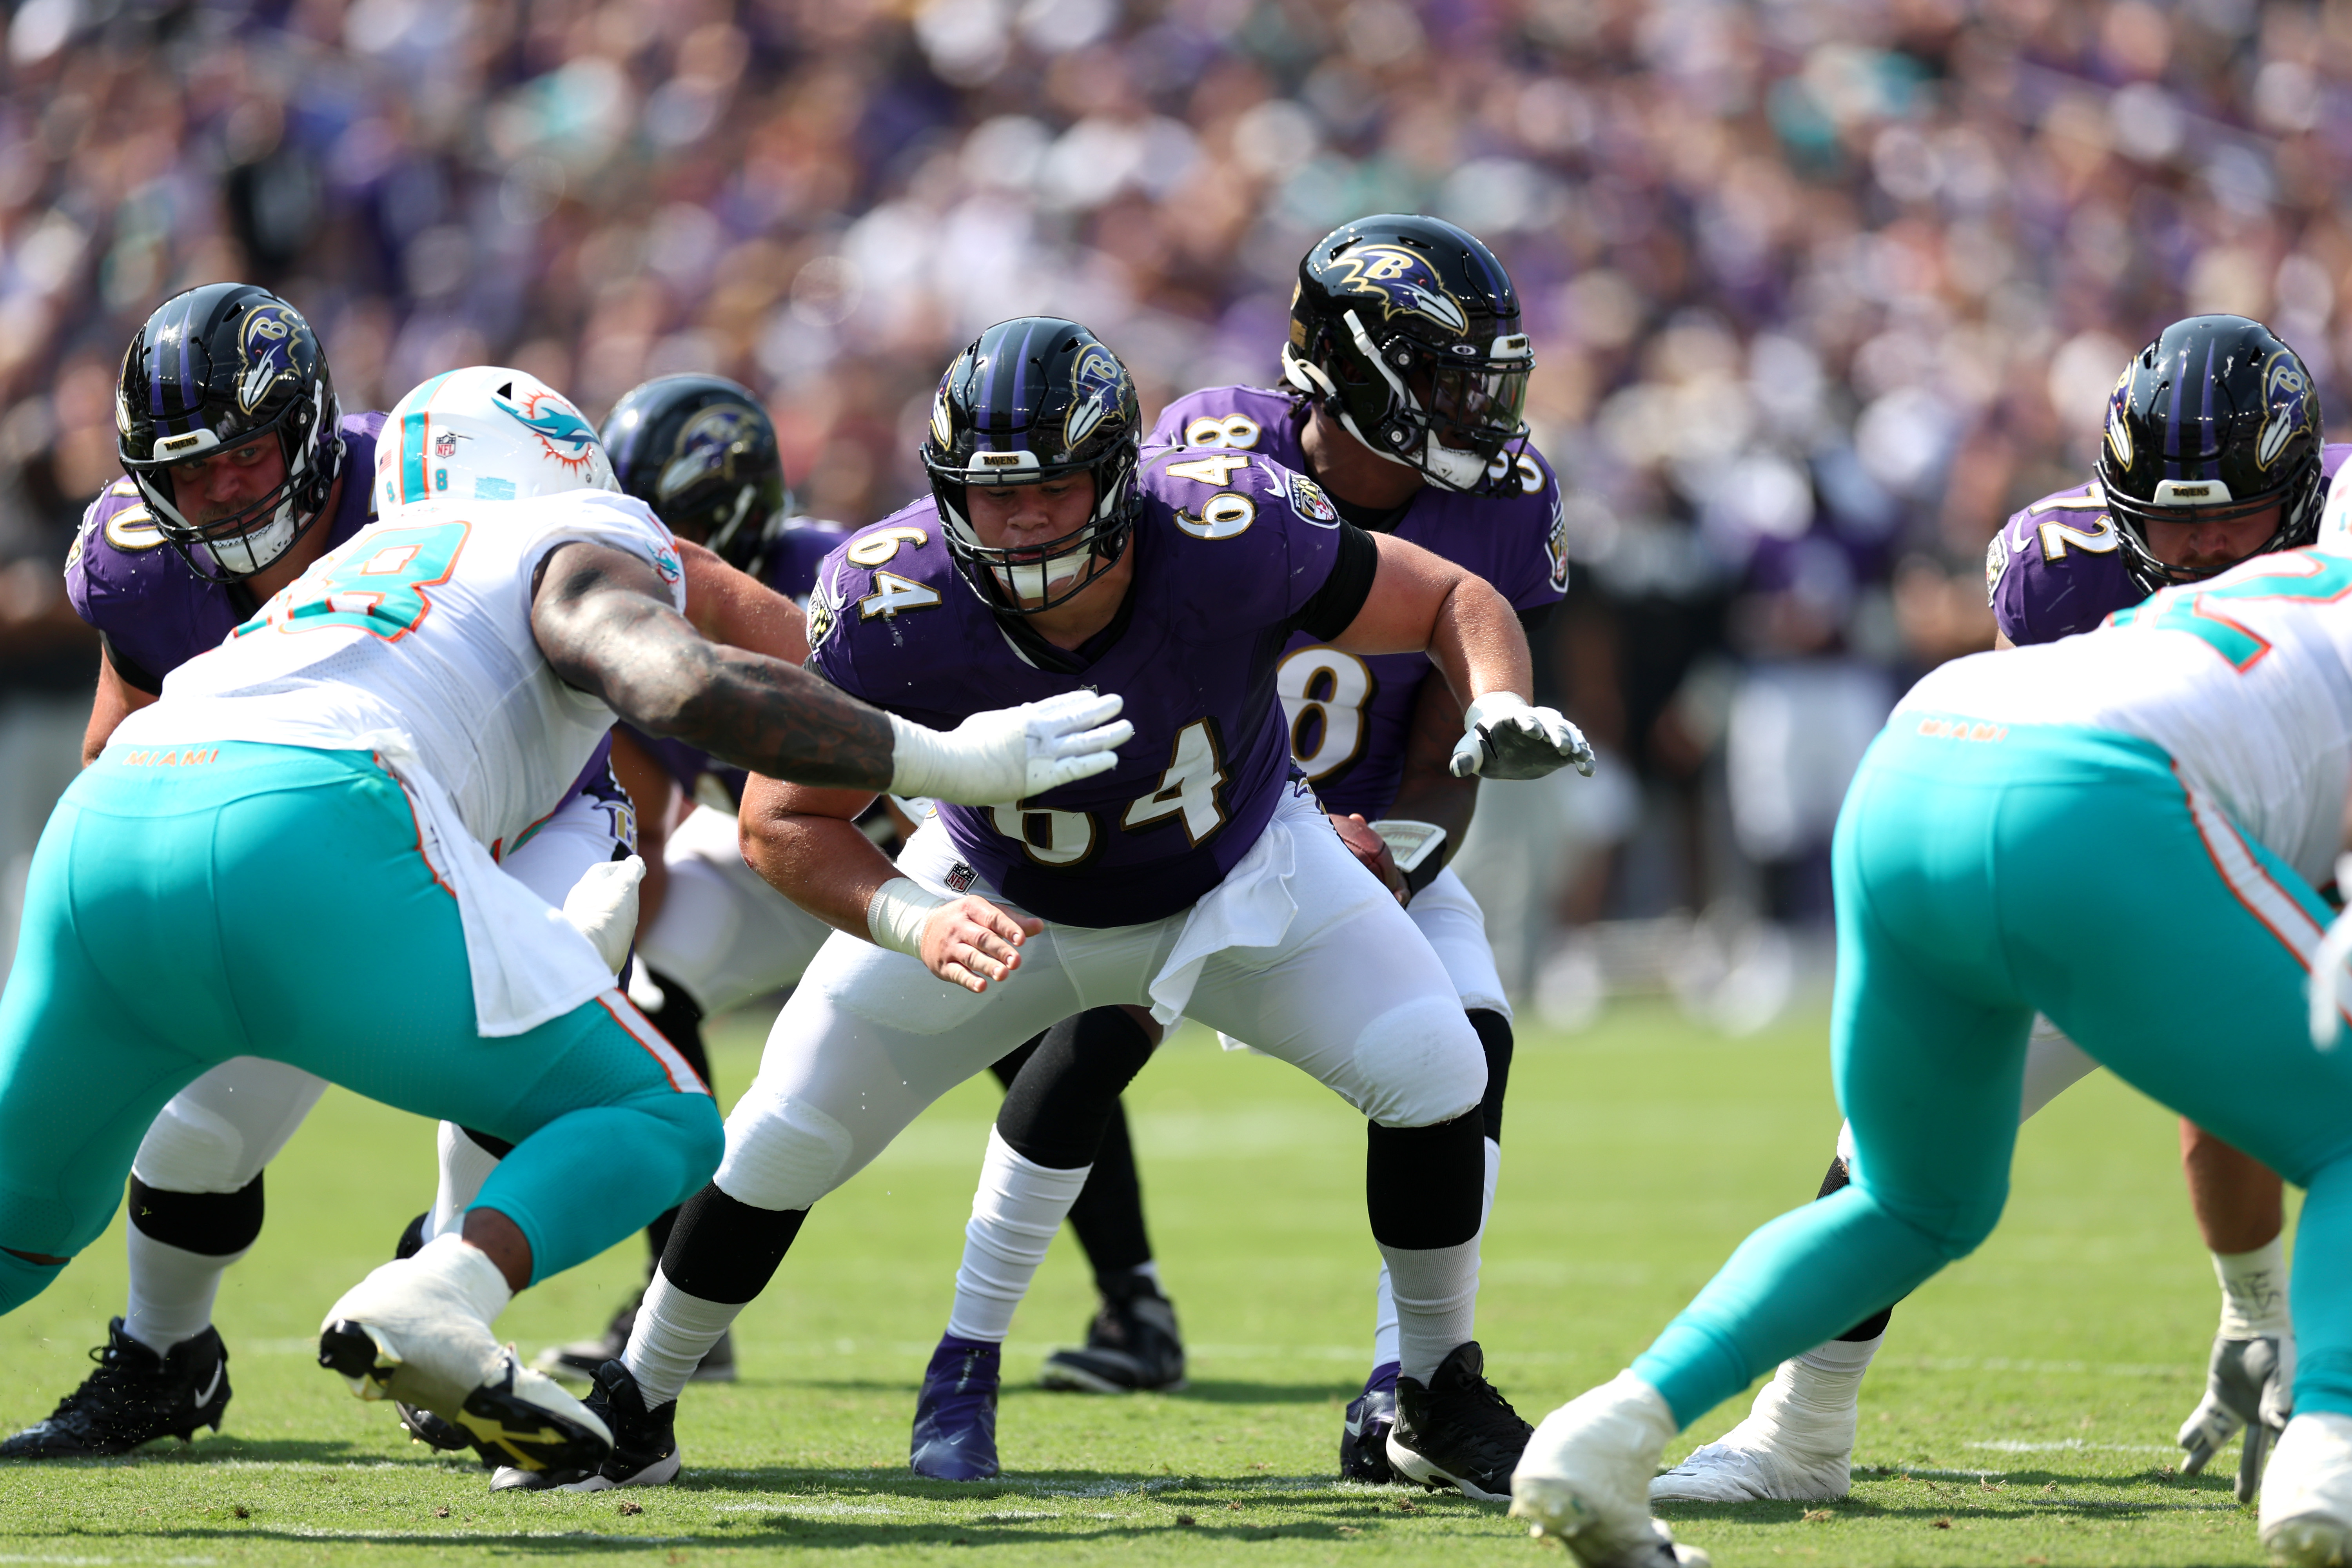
{"type": "Point", "coordinates": [154, 612]}
{"type": "Point", "coordinates": [1221, 566]}
{"type": "Point", "coordinates": [790, 568]}
{"type": "Point", "coordinates": [1349, 714]}
{"type": "Point", "coordinates": [2057, 567]}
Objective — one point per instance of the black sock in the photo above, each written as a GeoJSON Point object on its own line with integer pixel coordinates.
{"type": "Point", "coordinates": [1425, 1187]}
{"type": "Point", "coordinates": [1870, 1327]}
{"type": "Point", "coordinates": [1061, 1102]}
{"type": "Point", "coordinates": [213, 1224]}
{"type": "Point", "coordinates": [1108, 1215]}
{"type": "Point", "coordinates": [1495, 1036]}
{"type": "Point", "coordinates": [723, 1249]}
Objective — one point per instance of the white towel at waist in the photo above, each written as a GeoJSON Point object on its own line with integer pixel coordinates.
{"type": "Point", "coordinates": [529, 963]}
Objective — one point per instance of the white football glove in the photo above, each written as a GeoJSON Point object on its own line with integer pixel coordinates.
{"type": "Point", "coordinates": [602, 906]}
{"type": "Point", "coordinates": [2330, 988]}
{"type": "Point", "coordinates": [2249, 1384]}
{"type": "Point", "coordinates": [1505, 737]}
{"type": "Point", "coordinates": [1010, 753]}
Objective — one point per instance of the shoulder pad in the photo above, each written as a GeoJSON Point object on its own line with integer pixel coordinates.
{"type": "Point", "coordinates": [1219, 493]}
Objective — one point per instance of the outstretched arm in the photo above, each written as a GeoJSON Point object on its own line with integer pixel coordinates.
{"type": "Point", "coordinates": [603, 618]}
{"type": "Point", "coordinates": [1420, 602]}
{"type": "Point", "coordinates": [807, 844]}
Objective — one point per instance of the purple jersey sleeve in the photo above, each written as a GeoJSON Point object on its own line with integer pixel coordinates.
{"type": "Point", "coordinates": [155, 613]}
{"type": "Point", "coordinates": [2057, 567]}
{"type": "Point", "coordinates": [1351, 715]}
{"type": "Point", "coordinates": [1227, 551]}
{"type": "Point", "coordinates": [790, 567]}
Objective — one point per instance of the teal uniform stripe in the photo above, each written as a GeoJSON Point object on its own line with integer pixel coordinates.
{"type": "Point", "coordinates": [412, 442]}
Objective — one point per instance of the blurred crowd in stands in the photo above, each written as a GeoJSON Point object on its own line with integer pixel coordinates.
{"type": "Point", "coordinates": [1820, 290]}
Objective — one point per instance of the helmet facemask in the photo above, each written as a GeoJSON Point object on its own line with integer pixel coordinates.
{"type": "Point", "coordinates": [1028, 579]}
{"type": "Point", "coordinates": [256, 536]}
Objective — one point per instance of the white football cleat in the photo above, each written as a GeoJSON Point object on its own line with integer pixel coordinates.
{"type": "Point", "coordinates": [417, 1332]}
{"type": "Point", "coordinates": [2307, 1517]}
{"type": "Point", "coordinates": [1584, 1478]}
{"type": "Point", "coordinates": [1796, 1445]}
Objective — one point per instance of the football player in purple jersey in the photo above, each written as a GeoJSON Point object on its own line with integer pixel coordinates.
{"type": "Point", "coordinates": [1199, 877]}
{"type": "Point", "coordinates": [240, 471]}
{"type": "Point", "coordinates": [2212, 451]}
{"type": "Point", "coordinates": [1406, 371]}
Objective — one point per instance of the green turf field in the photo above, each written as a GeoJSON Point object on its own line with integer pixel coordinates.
{"type": "Point", "coordinates": [2022, 1413]}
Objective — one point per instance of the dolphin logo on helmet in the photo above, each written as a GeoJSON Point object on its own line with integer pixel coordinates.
{"type": "Point", "coordinates": [568, 438]}
{"type": "Point", "coordinates": [1403, 281]}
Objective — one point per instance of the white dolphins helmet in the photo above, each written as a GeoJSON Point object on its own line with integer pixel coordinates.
{"type": "Point", "coordinates": [486, 433]}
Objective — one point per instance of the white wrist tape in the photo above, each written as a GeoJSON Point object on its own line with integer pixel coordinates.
{"type": "Point", "coordinates": [918, 757]}
{"type": "Point", "coordinates": [895, 915]}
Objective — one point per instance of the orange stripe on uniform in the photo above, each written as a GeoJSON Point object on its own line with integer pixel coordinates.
{"type": "Point", "coordinates": [682, 1076]}
{"type": "Point", "coordinates": [2279, 910]}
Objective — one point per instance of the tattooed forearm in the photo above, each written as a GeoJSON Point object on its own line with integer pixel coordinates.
{"type": "Point", "coordinates": [603, 620]}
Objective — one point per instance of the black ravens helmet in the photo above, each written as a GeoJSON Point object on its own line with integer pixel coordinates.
{"type": "Point", "coordinates": [216, 368]}
{"type": "Point", "coordinates": [2215, 419]}
{"type": "Point", "coordinates": [1035, 398]}
{"type": "Point", "coordinates": [1406, 329]}
{"type": "Point", "coordinates": [702, 453]}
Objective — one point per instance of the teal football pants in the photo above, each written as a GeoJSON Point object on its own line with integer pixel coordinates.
{"type": "Point", "coordinates": [1983, 872]}
{"type": "Point", "coordinates": [191, 904]}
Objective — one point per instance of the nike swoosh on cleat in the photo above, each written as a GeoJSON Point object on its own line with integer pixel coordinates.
{"type": "Point", "coordinates": [220, 1369]}
{"type": "Point", "coordinates": [1355, 1427]}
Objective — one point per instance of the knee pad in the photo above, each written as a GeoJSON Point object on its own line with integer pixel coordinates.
{"type": "Point", "coordinates": [216, 1224]}
{"type": "Point", "coordinates": [785, 1154]}
{"type": "Point", "coordinates": [190, 1149]}
{"type": "Point", "coordinates": [1418, 1065]}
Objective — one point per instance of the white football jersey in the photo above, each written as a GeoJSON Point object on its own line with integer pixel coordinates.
{"type": "Point", "coordinates": [2244, 679]}
{"type": "Point", "coordinates": [415, 637]}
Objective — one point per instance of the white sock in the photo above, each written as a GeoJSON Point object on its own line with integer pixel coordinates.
{"type": "Point", "coordinates": [1019, 1206]}
{"type": "Point", "coordinates": [1812, 1397]}
{"type": "Point", "coordinates": [1436, 1294]}
{"type": "Point", "coordinates": [673, 1334]}
{"type": "Point", "coordinates": [466, 1269]}
{"type": "Point", "coordinates": [1385, 1314]}
{"type": "Point", "coordinates": [465, 1166]}
{"type": "Point", "coordinates": [2254, 1292]}
{"type": "Point", "coordinates": [171, 1291]}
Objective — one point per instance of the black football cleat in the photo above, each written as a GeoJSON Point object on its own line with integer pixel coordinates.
{"type": "Point", "coordinates": [1364, 1430]}
{"type": "Point", "coordinates": [135, 1397]}
{"type": "Point", "coordinates": [644, 1443]}
{"type": "Point", "coordinates": [1458, 1431]}
{"type": "Point", "coordinates": [1132, 1346]}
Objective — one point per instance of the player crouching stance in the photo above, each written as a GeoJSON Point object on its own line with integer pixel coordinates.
{"type": "Point", "coordinates": [337, 773]}
{"type": "Point", "coordinates": [2047, 829]}
{"type": "Point", "coordinates": [1196, 879]}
